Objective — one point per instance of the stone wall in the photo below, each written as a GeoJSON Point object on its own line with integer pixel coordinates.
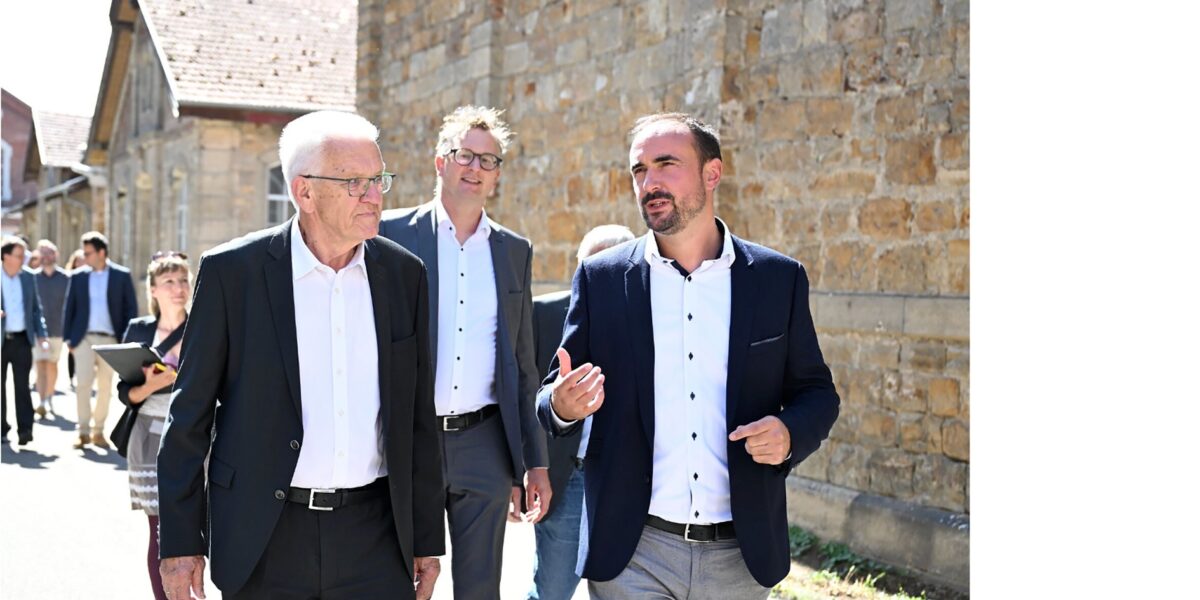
{"type": "Point", "coordinates": [845, 127]}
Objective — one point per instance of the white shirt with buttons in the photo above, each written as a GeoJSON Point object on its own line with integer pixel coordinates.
{"type": "Point", "coordinates": [467, 319]}
{"type": "Point", "coordinates": [339, 372]}
{"type": "Point", "coordinates": [690, 316]}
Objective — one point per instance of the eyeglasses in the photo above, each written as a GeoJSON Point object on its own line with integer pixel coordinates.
{"type": "Point", "coordinates": [464, 157]}
{"type": "Point", "coordinates": [359, 186]}
{"type": "Point", "coordinates": [167, 254]}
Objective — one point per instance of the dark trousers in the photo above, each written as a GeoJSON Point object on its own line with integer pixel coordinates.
{"type": "Point", "coordinates": [348, 553]}
{"type": "Point", "coordinates": [19, 353]}
{"type": "Point", "coordinates": [479, 481]}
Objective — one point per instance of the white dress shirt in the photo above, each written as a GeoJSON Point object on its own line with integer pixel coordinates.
{"type": "Point", "coordinates": [691, 360]}
{"type": "Point", "coordinates": [467, 320]}
{"type": "Point", "coordinates": [339, 372]}
{"type": "Point", "coordinates": [99, 318]}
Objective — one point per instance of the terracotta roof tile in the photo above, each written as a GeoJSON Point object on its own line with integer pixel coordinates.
{"type": "Point", "coordinates": [61, 138]}
{"type": "Point", "coordinates": [268, 54]}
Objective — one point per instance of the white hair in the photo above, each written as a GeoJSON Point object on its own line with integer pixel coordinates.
{"type": "Point", "coordinates": [302, 140]}
{"type": "Point", "coordinates": [602, 238]}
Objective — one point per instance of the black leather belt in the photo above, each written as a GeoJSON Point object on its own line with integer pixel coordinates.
{"type": "Point", "coordinates": [324, 499]}
{"type": "Point", "coordinates": [100, 333]}
{"type": "Point", "coordinates": [467, 420]}
{"type": "Point", "coordinates": [13, 335]}
{"type": "Point", "coordinates": [694, 533]}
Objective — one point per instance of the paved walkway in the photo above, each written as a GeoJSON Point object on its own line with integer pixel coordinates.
{"type": "Point", "coordinates": [66, 530]}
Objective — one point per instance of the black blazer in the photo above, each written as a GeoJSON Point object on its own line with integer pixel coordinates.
{"type": "Point", "coordinates": [35, 323]}
{"type": "Point", "coordinates": [239, 390]}
{"type": "Point", "coordinates": [516, 372]}
{"type": "Point", "coordinates": [549, 313]}
{"type": "Point", "coordinates": [122, 303]}
{"type": "Point", "coordinates": [141, 330]}
{"type": "Point", "coordinates": [775, 368]}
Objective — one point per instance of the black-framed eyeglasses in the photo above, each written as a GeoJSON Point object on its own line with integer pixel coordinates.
{"type": "Point", "coordinates": [464, 157]}
{"type": "Point", "coordinates": [167, 254]}
{"type": "Point", "coordinates": [359, 186]}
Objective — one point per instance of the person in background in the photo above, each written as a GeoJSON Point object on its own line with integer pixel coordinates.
{"type": "Point", "coordinates": [24, 328]}
{"type": "Point", "coordinates": [74, 263]}
{"type": "Point", "coordinates": [481, 299]}
{"type": "Point", "coordinates": [100, 303]}
{"type": "Point", "coordinates": [51, 281]}
{"type": "Point", "coordinates": [557, 534]}
{"type": "Point", "coordinates": [168, 284]}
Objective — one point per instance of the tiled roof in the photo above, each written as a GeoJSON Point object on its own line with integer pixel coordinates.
{"type": "Point", "coordinates": [61, 138]}
{"type": "Point", "coordinates": [266, 54]}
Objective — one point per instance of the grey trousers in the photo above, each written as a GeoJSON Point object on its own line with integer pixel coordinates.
{"type": "Point", "coordinates": [666, 566]}
{"type": "Point", "coordinates": [479, 481]}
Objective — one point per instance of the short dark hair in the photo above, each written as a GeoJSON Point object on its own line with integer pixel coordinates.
{"type": "Point", "coordinates": [97, 241]}
{"type": "Point", "coordinates": [11, 242]}
{"type": "Point", "coordinates": [704, 137]}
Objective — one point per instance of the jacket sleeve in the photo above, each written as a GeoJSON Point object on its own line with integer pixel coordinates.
{"type": "Point", "coordinates": [188, 433]}
{"type": "Point", "coordinates": [428, 487]}
{"type": "Point", "coordinates": [810, 401]}
{"type": "Point", "coordinates": [575, 341]}
{"type": "Point", "coordinates": [39, 320]}
{"type": "Point", "coordinates": [70, 307]}
{"type": "Point", "coordinates": [533, 440]}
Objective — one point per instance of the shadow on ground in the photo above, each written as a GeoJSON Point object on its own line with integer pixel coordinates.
{"type": "Point", "coordinates": [25, 458]}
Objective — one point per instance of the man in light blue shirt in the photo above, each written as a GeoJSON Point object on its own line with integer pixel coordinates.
{"type": "Point", "coordinates": [23, 328]}
{"type": "Point", "coordinates": [100, 303]}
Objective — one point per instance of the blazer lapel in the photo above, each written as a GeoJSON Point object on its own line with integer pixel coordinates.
{"type": "Point", "coordinates": [283, 306]}
{"type": "Point", "coordinates": [641, 329]}
{"type": "Point", "coordinates": [427, 252]}
{"type": "Point", "coordinates": [744, 286]}
{"type": "Point", "coordinates": [377, 280]}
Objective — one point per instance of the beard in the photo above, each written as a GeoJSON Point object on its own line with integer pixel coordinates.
{"type": "Point", "coordinates": [675, 220]}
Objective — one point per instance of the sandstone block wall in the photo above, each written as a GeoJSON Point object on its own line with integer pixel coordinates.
{"type": "Point", "coordinates": [845, 130]}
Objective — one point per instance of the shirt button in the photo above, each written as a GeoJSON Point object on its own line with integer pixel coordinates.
{"type": "Point", "coordinates": [294, 444]}
{"type": "Point", "coordinates": [695, 476]}
{"type": "Point", "coordinates": [689, 278]}
{"type": "Point", "coordinates": [689, 316]}
{"type": "Point", "coordinates": [337, 290]}
{"type": "Point", "coordinates": [689, 356]}
{"type": "Point", "coordinates": [693, 395]}
{"type": "Point", "coordinates": [280, 495]}
{"type": "Point", "coordinates": [693, 435]}
{"type": "Point", "coordinates": [341, 413]}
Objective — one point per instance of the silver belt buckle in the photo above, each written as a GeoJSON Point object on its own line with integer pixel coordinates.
{"type": "Point", "coordinates": [312, 495]}
{"type": "Point", "coordinates": [687, 535]}
{"type": "Point", "coordinates": [446, 426]}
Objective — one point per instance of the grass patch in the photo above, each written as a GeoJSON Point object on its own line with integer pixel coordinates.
{"type": "Point", "coordinates": [832, 570]}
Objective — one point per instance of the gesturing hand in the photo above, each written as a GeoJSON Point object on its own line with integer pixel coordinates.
{"type": "Point", "coordinates": [767, 440]}
{"type": "Point", "coordinates": [579, 392]}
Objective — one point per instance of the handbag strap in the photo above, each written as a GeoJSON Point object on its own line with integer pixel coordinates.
{"type": "Point", "coordinates": [165, 346]}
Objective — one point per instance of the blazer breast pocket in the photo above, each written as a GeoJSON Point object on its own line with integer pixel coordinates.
{"type": "Point", "coordinates": [766, 344]}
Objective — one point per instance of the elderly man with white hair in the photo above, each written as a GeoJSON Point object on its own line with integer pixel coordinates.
{"type": "Point", "coordinates": [323, 465]}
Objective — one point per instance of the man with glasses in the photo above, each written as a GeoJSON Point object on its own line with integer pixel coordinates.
{"type": "Point", "coordinates": [324, 470]}
{"type": "Point", "coordinates": [100, 303]}
{"type": "Point", "coordinates": [482, 338]}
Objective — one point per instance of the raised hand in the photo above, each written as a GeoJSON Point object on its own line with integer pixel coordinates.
{"type": "Point", "coordinates": [577, 393]}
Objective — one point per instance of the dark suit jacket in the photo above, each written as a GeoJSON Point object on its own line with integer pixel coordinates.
{"type": "Point", "coordinates": [122, 303]}
{"type": "Point", "coordinates": [516, 372]}
{"type": "Point", "coordinates": [549, 313]}
{"type": "Point", "coordinates": [35, 324]}
{"type": "Point", "coordinates": [775, 368]}
{"type": "Point", "coordinates": [239, 390]}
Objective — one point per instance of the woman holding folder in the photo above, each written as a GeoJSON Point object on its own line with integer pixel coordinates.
{"type": "Point", "coordinates": [168, 281]}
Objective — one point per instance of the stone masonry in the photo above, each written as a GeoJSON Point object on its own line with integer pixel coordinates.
{"type": "Point", "coordinates": [845, 131]}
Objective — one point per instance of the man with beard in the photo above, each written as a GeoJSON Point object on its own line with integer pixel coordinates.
{"type": "Point", "coordinates": [481, 325]}
{"type": "Point", "coordinates": [323, 465]}
{"type": "Point", "coordinates": [713, 387]}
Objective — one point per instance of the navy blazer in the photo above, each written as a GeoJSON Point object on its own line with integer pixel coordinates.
{"type": "Point", "coordinates": [516, 372]}
{"type": "Point", "coordinates": [122, 303]}
{"type": "Point", "coordinates": [35, 324]}
{"type": "Point", "coordinates": [775, 368]}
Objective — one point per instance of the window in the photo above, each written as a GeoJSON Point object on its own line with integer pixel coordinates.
{"type": "Point", "coordinates": [279, 206]}
{"type": "Point", "coordinates": [7, 157]}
